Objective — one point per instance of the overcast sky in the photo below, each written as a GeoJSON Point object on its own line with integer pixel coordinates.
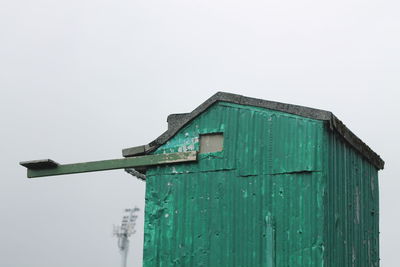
{"type": "Point", "coordinates": [80, 80]}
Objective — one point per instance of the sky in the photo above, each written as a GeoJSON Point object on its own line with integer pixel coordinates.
{"type": "Point", "coordinates": [81, 80]}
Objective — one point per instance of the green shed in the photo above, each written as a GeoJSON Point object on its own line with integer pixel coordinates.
{"type": "Point", "coordinates": [274, 185]}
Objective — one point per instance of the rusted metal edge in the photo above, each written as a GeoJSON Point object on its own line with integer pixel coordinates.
{"type": "Point", "coordinates": [112, 164]}
{"type": "Point", "coordinates": [177, 121]}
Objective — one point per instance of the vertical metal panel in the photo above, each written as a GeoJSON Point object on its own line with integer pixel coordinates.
{"type": "Point", "coordinates": [271, 240]}
{"type": "Point", "coordinates": [272, 142]}
{"type": "Point", "coordinates": [352, 207]}
{"type": "Point", "coordinates": [223, 210]}
{"type": "Point", "coordinates": [297, 144]}
{"type": "Point", "coordinates": [297, 204]}
{"type": "Point", "coordinates": [253, 142]}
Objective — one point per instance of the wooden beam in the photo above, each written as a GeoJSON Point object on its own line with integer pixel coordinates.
{"type": "Point", "coordinates": [112, 164]}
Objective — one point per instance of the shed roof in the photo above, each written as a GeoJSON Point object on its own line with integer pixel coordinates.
{"type": "Point", "coordinates": [177, 121]}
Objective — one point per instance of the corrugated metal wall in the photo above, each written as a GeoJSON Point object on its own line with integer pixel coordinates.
{"type": "Point", "coordinates": [352, 207]}
{"type": "Point", "coordinates": [259, 202]}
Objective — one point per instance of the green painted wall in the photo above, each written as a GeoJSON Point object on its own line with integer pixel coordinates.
{"type": "Point", "coordinates": [262, 201]}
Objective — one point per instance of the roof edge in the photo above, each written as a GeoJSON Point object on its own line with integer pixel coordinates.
{"type": "Point", "coordinates": [356, 143]}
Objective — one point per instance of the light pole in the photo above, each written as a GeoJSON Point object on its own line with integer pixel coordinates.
{"type": "Point", "coordinates": [124, 231]}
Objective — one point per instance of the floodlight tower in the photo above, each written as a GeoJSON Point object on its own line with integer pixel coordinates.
{"type": "Point", "coordinates": [124, 231]}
